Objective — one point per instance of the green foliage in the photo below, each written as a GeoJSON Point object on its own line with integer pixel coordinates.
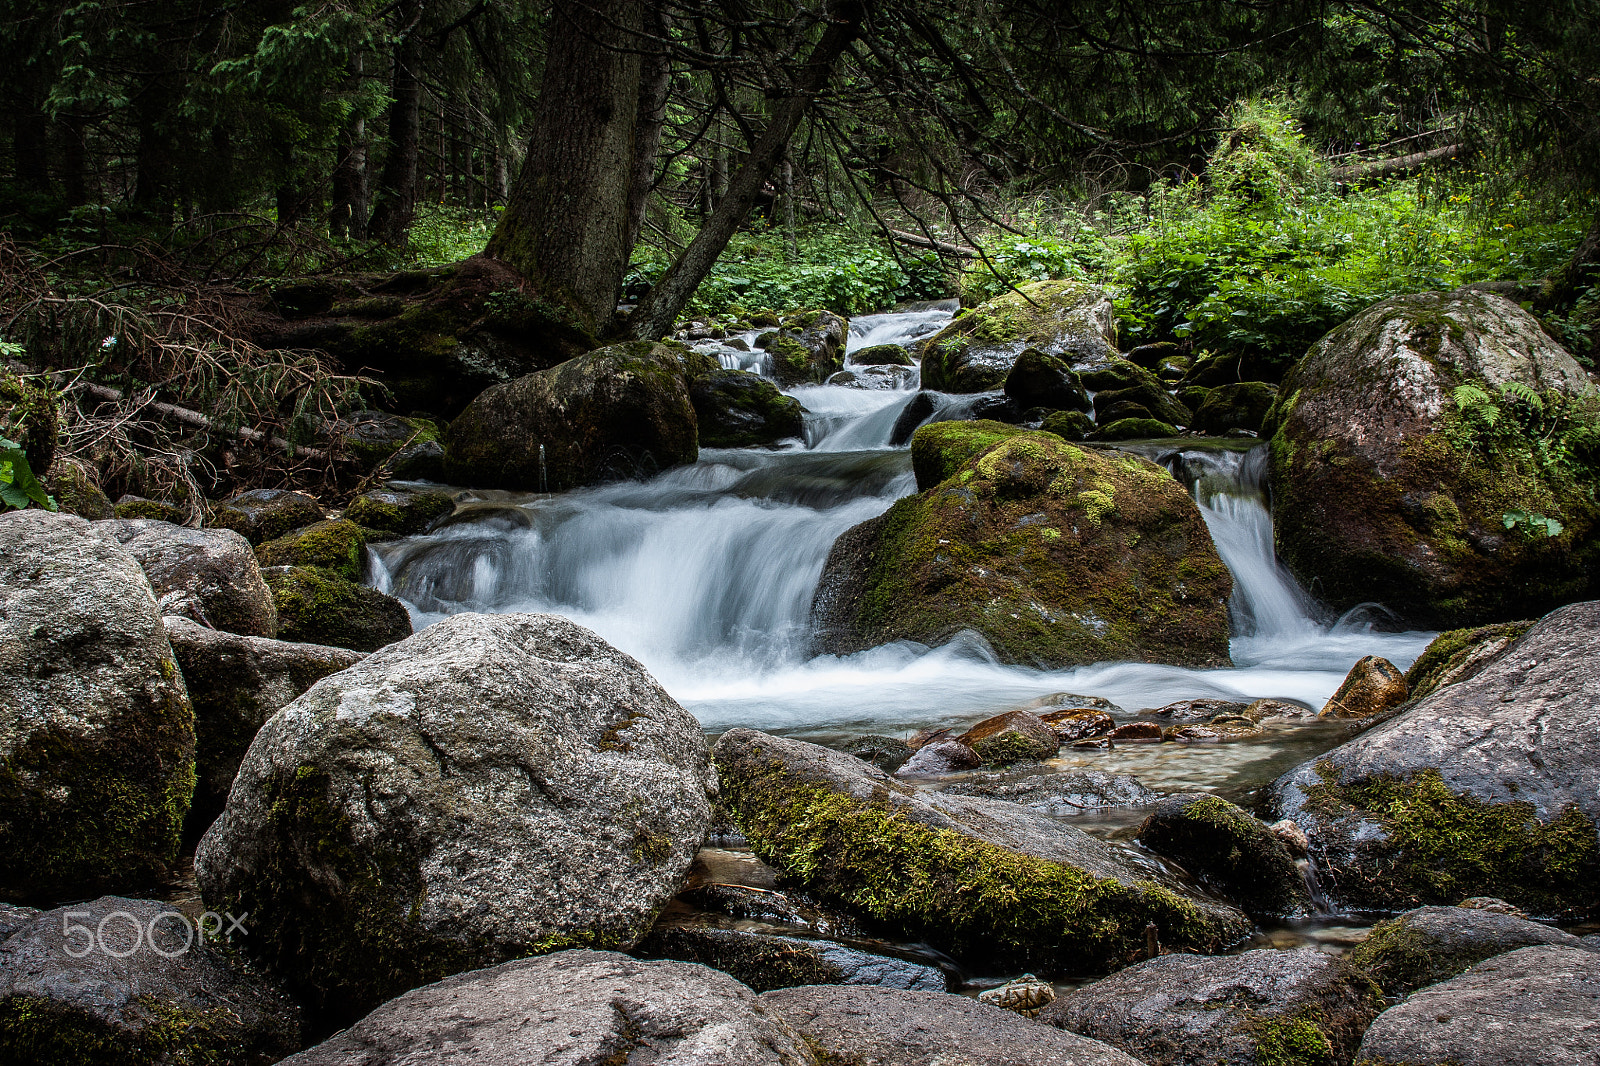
{"type": "Point", "coordinates": [446, 234]}
{"type": "Point", "coordinates": [18, 486]}
{"type": "Point", "coordinates": [1557, 433]}
{"type": "Point", "coordinates": [1533, 525]}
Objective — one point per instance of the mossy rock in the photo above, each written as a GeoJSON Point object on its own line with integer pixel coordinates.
{"type": "Point", "coordinates": [337, 545]}
{"type": "Point", "coordinates": [1459, 654]}
{"type": "Point", "coordinates": [260, 515]}
{"type": "Point", "coordinates": [30, 415]}
{"type": "Point", "coordinates": [1115, 374]}
{"type": "Point", "coordinates": [372, 437]}
{"type": "Point", "coordinates": [1230, 850]}
{"type": "Point", "coordinates": [1153, 399]}
{"type": "Point", "coordinates": [74, 487]}
{"type": "Point", "coordinates": [882, 355]}
{"type": "Point", "coordinates": [1134, 429]}
{"type": "Point", "coordinates": [1069, 320]}
{"type": "Point", "coordinates": [1239, 406]}
{"type": "Point", "coordinates": [399, 513]}
{"type": "Point", "coordinates": [322, 607]}
{"type": "Point", "coordinates": [940, 449]}
{"type": "Point", "coordinates": [1068, 425]}
{"type": "Point", "coordinates": [1039, 379]}
{"type": "Point", "coordinates": [159, 510]}
{"type": "Point", "coordinates": [738, 409]}
{"type": "Point", "coordinates": [1057, 555]}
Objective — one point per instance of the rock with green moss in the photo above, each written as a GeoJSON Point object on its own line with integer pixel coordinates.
{"type": "Point", "coordinates": [338, 545]}
{"type": "Point", "coordinates": [940, 449]}
{"type": "Point", "coordinates": [398, 512]}
{"type": "Point", "coordinates": [372, 437]}
{"type": "Point", "coordinates": [978, 877]}
{"type": "Point", "coordinates": [494, 786]}
{"type": "Point", "coordinates": [809, 349]}
{"type": "Point", "coordinates": [209, 575]}
{"type": "Point", "coordinates": [1459, 654]}
{"type": "Point", "coordinates": [1404, 446]}
{"type": "Point", "coordinates": [1432, 944]}
{"type": "Point", "coordinates": [881, 355]}
{"type": "Point", "coordinates": [236, 683]}
{"type": "Point", "coordinates": [1261, 1008]}
{"type": "Point", "coordinates": [1134, 429]}
{"type": "Point", "coordinates": [1231, 851]}
{"type": "Point", "coordinates": [30, 415]}
{"type": "Point", "coordinates": [130, 982]}
{"type": "Point", "coordinates": [738, 409]}
{"type": "Point", "coordinates": [885, 378]}
{"type": "Point", "coordinates": [1242, 405]}
{"type": "Point", "coordinates": [157, 510]}
{"type": "Point", "coordinates": [1057, 555]}
{"type": "Point", "coordinates": [1068, 425]}
{"type": "Point", "coordinates": [1488, 786]}
{"type": "Point", "coordinates": [323, 607]}
{"type": "Point", "coordinates": [260, 515]}
{"type": "Point", "coordinates": [1144, 396]}
{"type": "Point", "coordinates": [1373, 686]}
{"type": "Point", "coordinates": [96, 730]}
{"type": "Point", "coordinates": [76, 489]}
{"type": "Point", "coordinates": [1015, 736]}
{"type": "Point", "coordinates": [1069, 320]}
{"type": "Point", "coordinates": [1038, 379]}
{"type": "Point", "coordinates": [619, 412]}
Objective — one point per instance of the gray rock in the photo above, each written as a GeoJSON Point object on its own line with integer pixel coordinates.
{"type": "Point", "coordinates": [738, 409]}
{"type": "Point", "coordinates": [888, 378]}
{"type": "Point", "coordinates": [1231, 851]}
{"type": "Point", "coordinates": [810, 349]}
{"type": "Point", "coordinates": [236, 684]}
{"type": "Point", "coordinates": [1070, 320]}
{"type": "Point", "coordinates": [1197, 710]}
{"type": "Point", "coordinates": [96, 731]}
{"type": "Point", "coordinates": [1261, 1008]}
{"type": "Point", "coordinates": [886, 753]}
{"type": "Point", "coordinates": [260, 515]}
{"type": "Point", "coordinates": [765, 961]}
{"type": "Point", "coordinates": [890, 1027]}
{"type": "Point", "coordinates": [574, 1008]}
{"type": "Point", "coordinates": [13, 918]}
{"type": "Point", "coordinates": [208, 575]}
{"type": "Point", "coordinates": [1490, 786]}
{"type": "Point", "coordinates": [970, 875]}
{"type": "Point", "coordinates": [422, 461]}
{"type": "Point", "coordinates": [1536, 1006]}
{"type": "Point", "coordinates": [103, 992]}
{"type": "Point", "coordinates": [1433, 944]}
{"type": "Point", "coordinates": [938, 758]}
{"type": "Point", "coordinates": [494, 786]}
{"type": "Point", "coordinates": [1061, 795]}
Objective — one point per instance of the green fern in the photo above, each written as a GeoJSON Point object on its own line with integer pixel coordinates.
{"type": "Point", "coordinates": [1476, 405]}
{"type": "Point", "coordinates": [1516, 390]}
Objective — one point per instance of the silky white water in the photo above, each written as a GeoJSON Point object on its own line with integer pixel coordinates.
{"type": "Point", "coordinates": [705, 574]}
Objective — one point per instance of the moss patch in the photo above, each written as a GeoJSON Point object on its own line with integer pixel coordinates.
{"type": "Point", "coordinates": [338, 546]}
{"type": "Point", "coordinates": [323, 607]}
{"type": "Point", "coordinates": [940, 449]}
{"type": "Point", "coordinates": [1449, 652]}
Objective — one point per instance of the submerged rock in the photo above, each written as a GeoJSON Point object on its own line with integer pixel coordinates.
{"type": "Point", "coordinates": [738, 409]}
{"type": "Point", "coordinates": [1372, 687]}
{"type": "Point", "coordinates": [208, 575]}
{"type": "Point", "coordinates": [1069, 320]}
{"type": "Point", "coordinates": [1057, 555]}
{"type": "Point", "coordinates": [765, 961]}
{"type": "Point", "coordinates": [323, 607]}
{"type": "Point", "coordinates": [1229, 850]}
{"type": "Point", "coordinates": [495, 786]}
{"type": "Point", "coordinates": [260, 515]}
{"type": "Point", "coordinates": [888, 378]}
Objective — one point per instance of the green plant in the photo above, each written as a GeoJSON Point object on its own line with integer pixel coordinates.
{"type": "Point", "coordinates": [1533, 525]}
{"type": "Point", "coordinates": [18, 487]}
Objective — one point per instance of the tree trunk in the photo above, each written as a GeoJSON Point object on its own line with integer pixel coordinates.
{"type": "Point", "coordinates": [347, 215]}
{"type": "Point", "coordinates": [74, 162]}
{"type": "Point", "coordinates": [660, 309]}
{"type": "Point", "coordinates": [786, 190]}
{"type": "Point", "coordinates": [567, 219]}
{"type": "Point", "coordinates": [1579, 272]}
{"type": "Point", "coordinates": [155, 159]}
{"type": "Point", "coordinates": [655, 82]}
{"type": "Point", "coordinates": [396, 206]}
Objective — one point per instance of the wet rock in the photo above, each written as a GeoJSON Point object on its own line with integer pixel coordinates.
{"type": "Point", "coordinates": [422, 461]}
{"type": "Point", "coordinates": [1242, 405]}
{"type": "Point", "coordinates": [1260, 1008]}
{"type": "Point", "coordinates": [1069, 320]}
{"type": "Point", "coordinates": [614, 413]}
{"type": "Point", "coordinates": [400, 513]}
{"type": "Point", "coordinates": [933, 864]}
{"type": "Point", "coordinates": [322, 607]}
{"type": "Point", "coordinates": [494, 786]}
{"type": "Point", "coordinates": [1382, 488]}
{"type": "Point", "coordinates": [1532, 1007]}
{"type": "Point", "coordinates": [1195, 733]}
{"type": "Point", "coordinates": [140, 507]}
{"type": "Point", "coordinates": [1460, 654]}
{"type": "Point", "coordinates": [888, 378]}
{"type": "Point", "coordinates": [584, 1008]}
{"type": "Point", "coordinates": [738, 409]}
{"type": "Point", "coordinates": [1015, 736]}
{"type": "Point", "coordinates": [13, 918]}
{"type": "Point", "coordinates": [150, 989]}
{"type": "Point", "coordinates": [1486, 786]}
{"type": "Point", "coordinates": [1147, 400]}
{"type": "Point", "coordinates": [1190, 710]}
{"type": "Point", "coordinates": [371, 437]}
{"type": "Point", "coordinates": [1268, 708]}
{"type": "Point", "coordinates": [1061, 795]}
{"type": "Point", "coordinates": [1134, 429]}
{"type": "Point", "coordinates": [1073, 701]}
{"type": "Point", "coordinates": [939, 757]}
{"type": "Point", "coordinates": [337, 546]}
{"type": "Point", "coordinates": [940, 450]}
{"type": "Point", "coordinates": [1229, 850]}
{"type": "Point", "coordinates": [881, 355]}
{"type": "Point", "coordinates": [1433, 944]}
{"type": "Point", "coordinates": [923, 737]}
{"type": "Point", "coordinates": [1492, 905]}
{"type": "Point", "coordinates": [1079, 722]}
{"type": "Point", "coordinates": [1372, 687]}
{"type": "Point", "coordinates": [889, 1027]}
{"type": "Point", "coordinates": [1027, 995]}
{"type": "Point", "coordinates": [1150, 356]}
{"type": "Point", "coordinates": [1038, 379]}
{"type": "Point", "coordinates": [886, 753]}
{"type": "Point", "coordinates": [1068, 425]}
{"type": "Point", "coordinates": [810, 348]}
{"type": "Point", "coordinates": [236, 684]}
{"type": "Point", "coordinates": [1293, 837]}
{"type": "Point", "coordinates": [208, 575]}
{"type": "Point", "coordinates": [261, 515]}
{"type": "Point", "coordinates": [96, 730]}
{"type": "Point", "coordinates": [765, 961]}
{"type": "Point", "coordinates": [736, 887]}
{"type": "Point", "coordinates": [1137, 733]}
{"type": "Point", "coordinates": [1037, 545]}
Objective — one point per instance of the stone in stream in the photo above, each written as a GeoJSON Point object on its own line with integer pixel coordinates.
{"type": "Point", "coordinates": [208, 575]}
{"type": "Point", "coordinates": [1060, 795]}
{"type": "Point", "coordinates": [738, 409]}
{"type": "Point", "coordinates": [1229, 850]}
{"type": "Point", "coordinates": [765, 961]}
{"type": "Point", "coordinates": [1015, 736]}
{"type": "Point", "coordinates": [881, 355]}
{"type": "Point", "coordinates": [1056, 555]}
{"type": "Point", "coordinates": [888, 378]}
{"type": "Point", "coordinates": [940, 449]}
{"type": "Point", "coordinates": [975, 876]}
{"type": "Point", "coordinates": [1433, 944]}
{"type": "Point", "coordinates": [886, 753]}
{"type": "Point", "coordinates": [1068, 425]}
{"type": "Point", "coordinates": [1039, 379]}
{"type": "Point", "coordinates": [573, 1008]}
{"type": "Point", "coordinates": [1269, 708]}
{"type": "Point", "coordinates": [1188, 710]}
{"type": "Point", "coordinates": [809, 348]}
{"type": "Point", "coordinates": [1134, 429]}
{"type": "Point", "coordinates": [1026, 995]}
{"type": "Point", "coordinates": [323, 607]}
{"type": "Point", "coordinates": [1072, 701]}
{"type": "Point", "coordinates": [1079, 722]}
{"type": "Point", "coordinates": [1241, 405]}
{"type": "Point", "coordinates": [1372, 687]}
{"type": "Point", "coordinates": [494, 786]}
{"type": "Point", "coordinates": [96, 729]}
{"type": "Point", "coordinates": [1486, 786]}
{"type": "Point", "coordinates": [1070, 320]}
{"type": "Point", "coordinates": [1535, 1006]}
{"type": "Point", "coordinates": [260, 515]}
{"type": "Point", "coordinates": [1460, 654]}
{"type": "Point", "coordinates": [1261, 1008]}
{"type": "Point", "coordinates": [889, 1027]}
{"type": "Point", "coordinates": [939, 757]}
{"type": "Point", "coordinates": [371, 437]}
{"type": "Point", "coordinates": [1137, 733]}
{"type": "Point", "coordinates": [131, 982]}
{"type": "Point", "coordinates": [400, 513]}
{"type": "Point", "coordinates": [1388, 486]}
{"type": "Point", "coordinates": [334, 545]}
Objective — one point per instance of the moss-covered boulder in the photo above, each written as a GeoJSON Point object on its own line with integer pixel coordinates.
{"type": "Point", "coordinates": [1230, 850]}
{"type": "Point", "coordinates": [372, 437]}
{"type": "Point", "coordinates": [1487, 786]}
{"type": "Point", "coordinates": [738, 409]}
{"type": "Point", "coordinates": [133, 507]}
{"type": "Point", "coordinates": [882, 355]}
{"type": "Point", "coordinates": [1373, 685]}
{"type": "Point", "coordinates": [30, 415]}
{"type": "Point", "coordinates": [1144, 399]}
{"type": "Point", "coordinates": [1058, 555]}
{"type": "Point", "coordinates": [619, 412]}
{"type": "Point", "coordinates": [808, 349]}
{"type": "Point", "coordinates": [323, 607]}
{"type": "Point", "coordinates": [1242, 405]}
{"type": "Point", "coordinates": [1038, 379]}
{"type": "Point", "coordinates": [494, 787]}
{"type": "Point", "coordinates": [338, 545]}
{"type": "Point", "coordinates": [1068, 425]}
{"type": "Point", "coordinates": [1134, 429]}
{"type": "Point", "coordinates": [397, 512]}
{"type": "Point", "coordinates": [260, 515]}
{"type": "Point", "coordinates": [978, 877]}
{"type": "Point", "coordinates": [1459, 654]}
{"type": "Point", "coordinates": [76, 489]}
{"type": "Point", "coordinates": [96, 730]}
{"type": "Point", "coordinates": [1015, 736]}
{"type": "Point", "coordinates": [1417, 450]}
{"type": "Point", "coordinates": [1070, 320]}
{"type": "Point", "coordinates": [209, 575]}
{"type": "Point", "coordinates": [940, 449]}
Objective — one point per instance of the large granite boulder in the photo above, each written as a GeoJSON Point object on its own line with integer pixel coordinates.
{"type": "Point", "coordinates": [1261, 1008]}
{"type": "Point", "coordinates": [1535, 1006]}
{"type": "Point", "coordinates": [617, 412]}
{"type": "Point", "coordinates": [317, 606]}
{"type": "Point", "coordinates": [971, 875]}
{"type": "Point", "coordinates": [209, 575]}
{"type": "Point", "coordinates": [1400, 464]}
{"type": "Point", "coordinates": [891, 1027]}
{"type": "Point", "coordinates": [738, 409]}
{"type": "Point", "coordinates": [134, 982]}
{"type": "Point", "coordinates": [1230, 850]}
{"type": "Point", "coordinates": [1071, 320]}
{"type": "Point", "coordinates": [96, 731]}
{"type": "Point", "coordinates": [573, 1008]}
{"type": "Point", "coordinates": [1460, 654]}
{"type": "Point", "coordinates": [1057, 555]}
{"type": "Point", "coordinates": [1487, 786]}
{"type": "Point", "coordinates": [494, 786]}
